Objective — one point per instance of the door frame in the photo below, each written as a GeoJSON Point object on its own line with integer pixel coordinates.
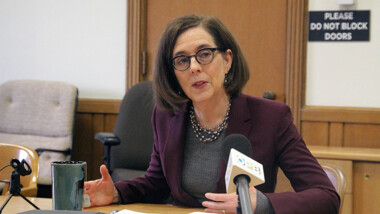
{"type": "Point", "coordinates": [296, 42]}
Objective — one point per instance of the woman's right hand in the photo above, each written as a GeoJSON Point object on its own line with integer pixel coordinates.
{"type": "Point", "coordinates": [102, 191]}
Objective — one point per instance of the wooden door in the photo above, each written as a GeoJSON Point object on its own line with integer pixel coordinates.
{"type": "Point", "coordinates": [258, 25]}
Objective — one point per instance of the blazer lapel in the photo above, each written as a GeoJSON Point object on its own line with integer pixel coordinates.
{"type": "Point", "coordinates": [174, 154]}
{"type": "Point", "coordinates": [239, 123]}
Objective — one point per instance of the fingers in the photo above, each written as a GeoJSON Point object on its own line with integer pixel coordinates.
{"type": "Point", "coordinates": [214, 205]}
{"type": "Point", "coordinates": [220, 203]}
{"type": "Point", "coordinates": [226, 203]}
{"type": "Point", "coordinates": [221, 196]}
{"type": "Point", "coordinates": [104, 172]}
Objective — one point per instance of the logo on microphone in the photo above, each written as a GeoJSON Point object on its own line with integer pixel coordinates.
{"type": "Point", "coordinates": [246, 162]}
{"type": "Point", "coordinates": [238, 163]}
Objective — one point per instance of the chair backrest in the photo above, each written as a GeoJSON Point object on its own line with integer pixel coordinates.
{"type": "Point", "coordinates": [334, 173]}
{"type": "Point", "coordinates": [134, 129]}
{"type": "Point", "coordinates": [13, 151]}
{"type": "Point", "coordinates": [39, 114]}
{"type": "Point", "coordinates": [337, 178]}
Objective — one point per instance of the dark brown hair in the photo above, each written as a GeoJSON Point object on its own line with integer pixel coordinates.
{"type": "Point", "coordinates": [167, 91]}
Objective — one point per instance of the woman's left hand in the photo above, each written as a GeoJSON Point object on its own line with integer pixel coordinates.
{"type": "Point", "coordinates": [226, 203]}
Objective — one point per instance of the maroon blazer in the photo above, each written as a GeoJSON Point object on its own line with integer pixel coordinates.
{"type": "Point", "coordinates": [275, 143]}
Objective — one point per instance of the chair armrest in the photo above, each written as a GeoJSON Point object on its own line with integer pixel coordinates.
{"type": "Point", "coordinates": [107, 138]}
{"type": "Point", "coordinates": [40, 150]}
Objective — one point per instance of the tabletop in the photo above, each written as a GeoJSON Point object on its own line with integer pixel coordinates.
{"type": "Point", "coordinates": [18, 204]}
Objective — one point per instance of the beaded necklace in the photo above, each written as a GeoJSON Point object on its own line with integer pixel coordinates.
{"type": "Point", "coordinates": [200, 132]}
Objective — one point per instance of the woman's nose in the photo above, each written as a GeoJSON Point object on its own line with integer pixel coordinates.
{"type": "Point", "coordinates": [194, 65]}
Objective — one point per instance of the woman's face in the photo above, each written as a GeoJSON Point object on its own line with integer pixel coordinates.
{"type": "Point", "coordinates": [201, 83]}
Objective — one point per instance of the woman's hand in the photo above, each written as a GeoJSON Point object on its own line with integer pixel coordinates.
{"type": "Point", "coordinates": [226, 203]}
{"type": "Point", "coordinates": [102, 191]}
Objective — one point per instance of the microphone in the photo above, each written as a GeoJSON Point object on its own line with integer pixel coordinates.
{"type": "Point", "coordinates": [241, 169]}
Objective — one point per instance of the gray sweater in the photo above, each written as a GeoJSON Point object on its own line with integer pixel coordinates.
{"type": "Point", "coordinates": [201, 167]}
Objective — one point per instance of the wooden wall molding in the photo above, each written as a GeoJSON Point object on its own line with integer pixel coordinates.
{"type": "Point", "coordinates": [136, 41]}
{"type": "Point", "coordinates": [336, 132]}
{"type": "Point", "coordinates": [295, 55]}
{"type": "Point", "coordinates": [101, 106]}
{"type": "Point", "coordinates": [341, 114]}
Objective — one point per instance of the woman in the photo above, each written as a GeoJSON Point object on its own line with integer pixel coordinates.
{"type": "Point", "coordinates": [198, 78]}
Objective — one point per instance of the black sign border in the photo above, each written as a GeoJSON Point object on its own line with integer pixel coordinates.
{"type": "Point", "coordinates": [332, 31]}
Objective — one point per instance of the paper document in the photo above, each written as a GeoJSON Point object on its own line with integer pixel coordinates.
{"type": "Point", "coordinates": [134, 212]}
{"type": "Point", "coordinates": [131, 212]}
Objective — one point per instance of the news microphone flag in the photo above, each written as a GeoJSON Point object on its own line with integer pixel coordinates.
{"type": "Point", "coordinates": [238, 163]}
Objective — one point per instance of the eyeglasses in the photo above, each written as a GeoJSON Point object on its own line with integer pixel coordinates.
{"type": "Point", "coordinates": [203, 57]}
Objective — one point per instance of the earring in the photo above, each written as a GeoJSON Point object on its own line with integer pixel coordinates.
{"type": "Point", "coordinates": [225, 79]}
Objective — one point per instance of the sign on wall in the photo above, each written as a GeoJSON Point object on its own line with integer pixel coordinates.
{"type": "Point", "coordinates": [339, 25]}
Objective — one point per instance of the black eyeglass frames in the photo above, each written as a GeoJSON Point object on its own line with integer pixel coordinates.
{"type": "Point", "coordinates": [203, 57]}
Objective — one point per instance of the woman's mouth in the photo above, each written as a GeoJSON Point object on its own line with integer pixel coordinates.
{"type": "Point", "coordinates": [199, 84]}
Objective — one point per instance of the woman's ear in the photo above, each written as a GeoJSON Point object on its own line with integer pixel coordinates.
{"type": "Point", "coordinates": [228, 57]}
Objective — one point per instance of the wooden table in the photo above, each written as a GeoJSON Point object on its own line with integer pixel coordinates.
{"type": "Point", "coordinates": [18, 204]}
{"type": "Point", "coordinates": [147, 208]}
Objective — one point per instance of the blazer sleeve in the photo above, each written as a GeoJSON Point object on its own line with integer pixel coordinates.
{"type": "Point", "coordinates": [151, 187]}
{"type": "Point", "coordinates": [314, 192]}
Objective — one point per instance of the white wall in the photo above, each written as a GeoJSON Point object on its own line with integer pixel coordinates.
{"type": "Point", "coordinates": [82, 42]}
{"type": "Point", "coordinates": [345, 73]}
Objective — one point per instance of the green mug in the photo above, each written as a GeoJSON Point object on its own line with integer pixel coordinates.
{"type": "Point", "coordinates": [68, 179]}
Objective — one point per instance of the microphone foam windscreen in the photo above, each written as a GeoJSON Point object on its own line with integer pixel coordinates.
{"type": "Point", "coordinates": [238, 142]}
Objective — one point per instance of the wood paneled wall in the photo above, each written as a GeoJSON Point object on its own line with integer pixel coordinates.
{"type": "Point", "coordinates": [326, 126]}
{"type": "Point", "coordinates": [93, 116]}
{"type": "Point", "coordinates": [346, 127]}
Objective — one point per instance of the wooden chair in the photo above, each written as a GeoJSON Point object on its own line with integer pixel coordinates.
{"type": "Point", "coordinates": [334, 173]}
{"type": "Point", "coordinates": [13, 151]}
{"type": "Point", "coordinates": [336, 177]}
